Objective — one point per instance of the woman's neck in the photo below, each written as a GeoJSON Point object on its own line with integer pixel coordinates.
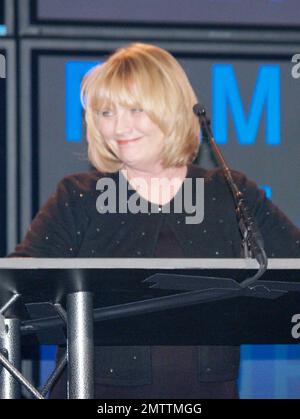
{"type": "Point", "coordinates": [157, 172]}
{"type": "Point", "coordinates": [158, 186]}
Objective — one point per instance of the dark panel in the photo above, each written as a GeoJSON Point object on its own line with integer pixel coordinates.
{"type": "Point", "coordinates": [1, 12]}
{"type": "Point", "coordinates": [55, 155]}
{"type": "Point", "coordinates": [190, 12]}
{"type": "Point", "coordinates": [2, 164]}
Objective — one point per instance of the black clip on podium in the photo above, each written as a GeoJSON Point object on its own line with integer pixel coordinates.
{"type": "Point", "coordinates": [34, 292]}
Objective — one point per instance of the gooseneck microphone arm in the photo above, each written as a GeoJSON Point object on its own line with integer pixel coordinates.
{"type": "Point", "coordinates": [252, 240]}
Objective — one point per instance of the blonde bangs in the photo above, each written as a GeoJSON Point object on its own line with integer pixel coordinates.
{"type": "Point", "coordinates": [147, 77]}
{"type": "Point", "coordinates": [129, 84]}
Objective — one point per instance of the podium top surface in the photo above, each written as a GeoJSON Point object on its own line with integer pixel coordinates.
{"type": "Point", "coordinates": [143, 263]}
{"type": "Point", "coordinates": [120, 282]}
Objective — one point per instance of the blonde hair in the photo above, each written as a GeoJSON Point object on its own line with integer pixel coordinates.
{"type": "Point", "coordinates": [149, 77]}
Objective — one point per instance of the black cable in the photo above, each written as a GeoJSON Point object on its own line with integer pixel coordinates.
{"type": "Point", "coordinates": [252, 240]}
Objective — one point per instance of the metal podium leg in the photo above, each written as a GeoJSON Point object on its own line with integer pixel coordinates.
{"type": "Point", "coordinates": [10, 342]}
{"type": "Point", "coordinates": [80, 345]}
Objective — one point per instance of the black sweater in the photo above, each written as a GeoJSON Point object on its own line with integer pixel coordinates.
{"type": "Point", "coordinates": [69, 226]}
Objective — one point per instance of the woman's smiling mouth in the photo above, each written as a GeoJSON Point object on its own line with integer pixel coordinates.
{"type": "Point", "coordinates": [126, 142]}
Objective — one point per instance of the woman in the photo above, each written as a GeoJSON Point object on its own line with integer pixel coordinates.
{"type": "Point", "coordinates": [142, 133]}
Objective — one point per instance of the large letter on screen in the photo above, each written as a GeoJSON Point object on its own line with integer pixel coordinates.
{"type": "Point", "coordinates": [226, 96]}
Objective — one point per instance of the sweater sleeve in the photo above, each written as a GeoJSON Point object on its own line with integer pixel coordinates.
{"type": "Point", "coordinates": [281, 236]}
{"type": "Point", "coordinates": [56, 230]}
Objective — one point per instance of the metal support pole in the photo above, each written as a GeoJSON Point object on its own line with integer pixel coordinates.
{"type": "Point", "coordinates": [80, 345]}
{"type": "Point", "coordinates": [10, 346]}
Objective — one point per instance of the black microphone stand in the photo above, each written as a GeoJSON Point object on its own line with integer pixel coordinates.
{"type": "Point", "coordinates": [252, 239]}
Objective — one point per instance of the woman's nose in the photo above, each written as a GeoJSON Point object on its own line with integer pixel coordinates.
{"type": "Point", "coordinates": [124, 122]}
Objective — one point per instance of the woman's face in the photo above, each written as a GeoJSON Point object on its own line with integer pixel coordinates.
{"type": "Point", "coordinates": [132, 136]}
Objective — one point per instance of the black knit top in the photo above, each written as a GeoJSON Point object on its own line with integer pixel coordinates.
{"type": "Point", "coordinates": [69, 225]}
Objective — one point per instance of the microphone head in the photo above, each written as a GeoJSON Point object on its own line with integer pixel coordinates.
{"type": "Point", "coordinates": [199, 110]}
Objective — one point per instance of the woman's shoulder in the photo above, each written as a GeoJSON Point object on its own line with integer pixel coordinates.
{"type": "Point", "coordinates": [215, 174]}
{"type": "Point", "coordinates": [215, 182]}
{"type": "Point", "coordinates": [83, 181]}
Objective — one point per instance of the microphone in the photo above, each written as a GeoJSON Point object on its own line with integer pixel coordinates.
{"type": "Point", "coordinates": [252, 239]}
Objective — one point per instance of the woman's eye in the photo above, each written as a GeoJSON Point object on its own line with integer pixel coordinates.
{"type": "Point", "coordinates": [137, 110]}
{"type": "Point", "coordinates": [106, 113]}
